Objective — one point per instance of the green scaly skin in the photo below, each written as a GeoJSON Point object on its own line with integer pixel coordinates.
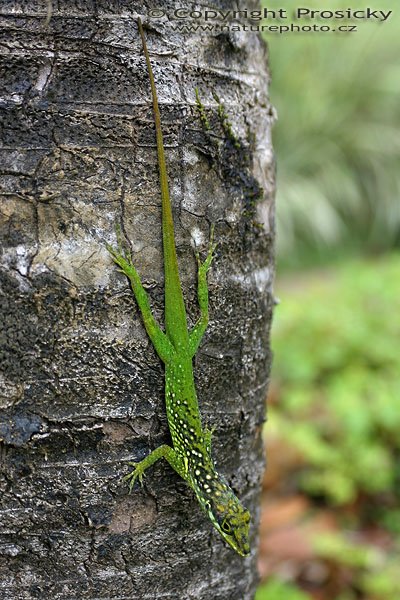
{"type": "Point", "coordinates": [190, 454]}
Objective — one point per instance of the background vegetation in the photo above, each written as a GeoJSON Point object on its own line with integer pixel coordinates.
{"type": "Point", "coordinates": [331, 510]}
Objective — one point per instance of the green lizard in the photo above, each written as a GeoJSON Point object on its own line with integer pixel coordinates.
{"type": "Point", "coordinates": [190, 454]}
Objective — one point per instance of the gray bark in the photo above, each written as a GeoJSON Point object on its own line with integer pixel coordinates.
{"type": "Point", "coordinates": [81, 389]}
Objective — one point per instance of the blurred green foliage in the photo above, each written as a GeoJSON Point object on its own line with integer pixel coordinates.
{"type": "Point", "coordinates": [375, 574]}
{"type": "Point", "coordinates": [337, 371]}
{"type": "Point", "coordinates": [278, 590]}
{"type": "Point", "coordinates": [337, 139]}
{"type": "Point", "coordinates": [337, 364]}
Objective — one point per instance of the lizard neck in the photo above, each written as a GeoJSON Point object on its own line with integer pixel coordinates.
{"type": "Point", "coordinates": [204, 477]}
{"type": "Point", "coordinates": [175, 312]}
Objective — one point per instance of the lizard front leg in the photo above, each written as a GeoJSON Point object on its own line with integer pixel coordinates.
{"type": "Point", "coordinates": [200, 327]}
{"type": "Point", "coordinates": [163, 451]}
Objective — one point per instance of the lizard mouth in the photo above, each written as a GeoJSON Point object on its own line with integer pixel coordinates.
{"type": "Point", "coordinates": [245, 551]}
{"type": "Point", "coordinates": [241, 547]}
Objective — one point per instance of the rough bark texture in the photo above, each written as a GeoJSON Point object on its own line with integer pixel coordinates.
{"type": "Point", "coordinates": [81, 390]}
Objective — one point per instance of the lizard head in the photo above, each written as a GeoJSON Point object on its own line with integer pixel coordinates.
{"type": "Point", "coordinates": [232, 521]}
{"type": "Point", "coordinates": [229, 517]}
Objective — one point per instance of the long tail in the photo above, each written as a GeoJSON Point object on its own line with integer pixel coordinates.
{"type": "Point", "coordinates": [175, 313]}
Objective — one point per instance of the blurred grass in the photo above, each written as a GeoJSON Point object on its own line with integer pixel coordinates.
{"type": "Point", "coordinates": [337, 139]}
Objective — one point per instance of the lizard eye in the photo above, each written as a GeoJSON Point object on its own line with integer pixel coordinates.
{"type": "Point", "coordinates": [226, 528]}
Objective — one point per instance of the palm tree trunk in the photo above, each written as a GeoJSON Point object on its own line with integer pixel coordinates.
{"type": "Point", "coordinates": [81, 389]}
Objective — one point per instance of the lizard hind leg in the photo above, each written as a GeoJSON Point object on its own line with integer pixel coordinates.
{"type": "Point", "coordinates": [202, 295]}
{"type": "Point", "coordinates": [122, 257]}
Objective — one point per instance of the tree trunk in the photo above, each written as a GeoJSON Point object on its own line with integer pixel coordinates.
{"type": "Point", "coordinates": [81, 390]}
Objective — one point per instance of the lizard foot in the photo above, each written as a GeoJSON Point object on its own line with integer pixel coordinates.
{"type": "Point", "coordinates": [120, 255]}
{"type": "Point", "coordinates": [137, 473]}
{"type": "Point", "coordinates": [205, 266]}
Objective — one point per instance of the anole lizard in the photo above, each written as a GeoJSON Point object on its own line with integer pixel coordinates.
{"type": "Point", "coordinates": [190, 454]}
